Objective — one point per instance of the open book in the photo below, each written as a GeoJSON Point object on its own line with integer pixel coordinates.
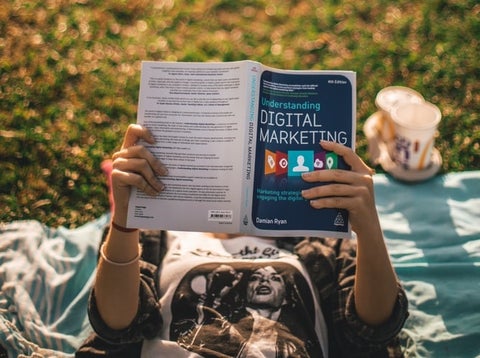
{"type": "Point", "coordinates": [236, 137]}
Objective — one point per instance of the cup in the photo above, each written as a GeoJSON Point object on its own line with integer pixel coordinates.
{"type": "Point", "coordinates": [415, 125]}
{"type": "Point", "coordinates": [387, 99]}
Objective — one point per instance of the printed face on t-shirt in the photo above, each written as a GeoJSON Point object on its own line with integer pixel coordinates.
{"type": "Point", "coordinates": [265, 289]}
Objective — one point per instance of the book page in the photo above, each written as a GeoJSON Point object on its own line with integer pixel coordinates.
{"type": "Point", "coordinates": [298, 109]}
{"type": "Point", "coordinates": [196, 113]}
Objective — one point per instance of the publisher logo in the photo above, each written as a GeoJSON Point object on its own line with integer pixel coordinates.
{"type": "Point", "coordinates": [339, 220]}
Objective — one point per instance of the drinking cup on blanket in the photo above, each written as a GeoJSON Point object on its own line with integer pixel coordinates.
{"type": "Point", "coordinates": [415, 125]}
{"type": "Point", "coordinates": [387, 99]}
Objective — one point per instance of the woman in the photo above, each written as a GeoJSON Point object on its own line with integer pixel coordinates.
{"type": "Point", "coordinates": [347, 299]}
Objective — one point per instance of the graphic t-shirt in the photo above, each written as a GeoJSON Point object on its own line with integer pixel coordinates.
{"type": "Point", "coordinates": [241, 297]}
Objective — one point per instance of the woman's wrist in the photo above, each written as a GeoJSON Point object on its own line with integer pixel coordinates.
{"type": "Point", "coordinates": [122, 243]}
{"type": "Point", "coordinates": [121, 228]}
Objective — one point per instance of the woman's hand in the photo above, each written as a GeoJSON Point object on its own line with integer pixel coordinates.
{"type": "Point", "coordinates": [346, 189]}
{"type": "Point", "coordinates": [134, 166]}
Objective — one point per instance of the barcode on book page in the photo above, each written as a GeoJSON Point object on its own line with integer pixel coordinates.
{"type": "Point", "coordinates": [220, 215]}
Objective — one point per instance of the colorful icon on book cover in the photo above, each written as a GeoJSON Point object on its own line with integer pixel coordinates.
{"type": "Point", "coordinates": [270, 160]}
{"type": "Point", "coordinates": [319, 161]}
{"type": "Point", "coordinates": [331, 161]}
{"type": "Point", "coordinates": [281, 163]}
{"type": "Point", "coordinates": [301, 161]}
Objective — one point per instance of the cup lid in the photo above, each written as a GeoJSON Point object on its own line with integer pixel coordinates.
{"type": "Point", "coordinates": [417, 116]}
{"type": "Point", "coordinates": [390, 97]}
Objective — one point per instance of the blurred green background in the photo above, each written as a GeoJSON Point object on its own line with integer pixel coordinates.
{"type": "Point", "coordinates": [69, 75]}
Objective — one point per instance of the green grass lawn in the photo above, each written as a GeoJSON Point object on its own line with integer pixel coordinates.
{"type": "Point", "coordinates": [69, 74]}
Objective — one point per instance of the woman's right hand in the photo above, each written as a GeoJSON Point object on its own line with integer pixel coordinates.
{"type": "Point", "coordinates": [134, 166]}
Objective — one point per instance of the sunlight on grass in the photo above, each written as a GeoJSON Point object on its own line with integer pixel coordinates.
{"type": "Point", "coordinates": [69, 73]}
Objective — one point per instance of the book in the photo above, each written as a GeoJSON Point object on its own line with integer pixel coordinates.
{"type": "Point", "coordinates": [236, 137]}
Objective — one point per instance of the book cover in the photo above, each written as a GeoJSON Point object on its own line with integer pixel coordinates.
{"type": "Point", "coordinates": [295, 112]}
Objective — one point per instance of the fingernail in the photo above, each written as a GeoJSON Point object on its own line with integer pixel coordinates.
{"type": "Point", "coordinates": [150, 136]}
{"type": "Point", "coordinates": [161, 169]}
{"type": "Point", "coordinates": [160, 187]}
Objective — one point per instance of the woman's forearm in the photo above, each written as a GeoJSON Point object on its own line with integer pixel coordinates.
{"type": "Point", "coordinates": [117, 285]}
{"type": "Point", "coordinates": [375, 280]}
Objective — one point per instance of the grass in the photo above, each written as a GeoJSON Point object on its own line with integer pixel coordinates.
{"type": "Point", "coordinates": [69, 74]}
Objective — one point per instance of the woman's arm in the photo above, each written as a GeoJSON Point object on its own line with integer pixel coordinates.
{"type": "Point", "coordinates": [375, 289]}
{"type": "Point", "coordinates": [118, 276]}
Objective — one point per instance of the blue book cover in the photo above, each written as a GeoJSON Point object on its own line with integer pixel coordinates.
{"type": "Point", "coordinates": [295, 112]}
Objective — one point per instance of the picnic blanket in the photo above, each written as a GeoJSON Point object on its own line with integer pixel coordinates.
{"type": "Point", "coordinates": [45, 278]}
{"type": "Point", "coordinates": [433, 235]}
{"type": "Point", "coordinates": [432, 230]}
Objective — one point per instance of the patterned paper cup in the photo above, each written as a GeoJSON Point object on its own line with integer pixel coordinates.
{"type": "Point", "coordinates": [415, 127]}
{"type": "Point", "coordinates": [387, 99]}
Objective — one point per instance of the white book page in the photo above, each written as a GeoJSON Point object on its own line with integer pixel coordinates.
{"type": "Point", "coordinates": [196, 112]}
